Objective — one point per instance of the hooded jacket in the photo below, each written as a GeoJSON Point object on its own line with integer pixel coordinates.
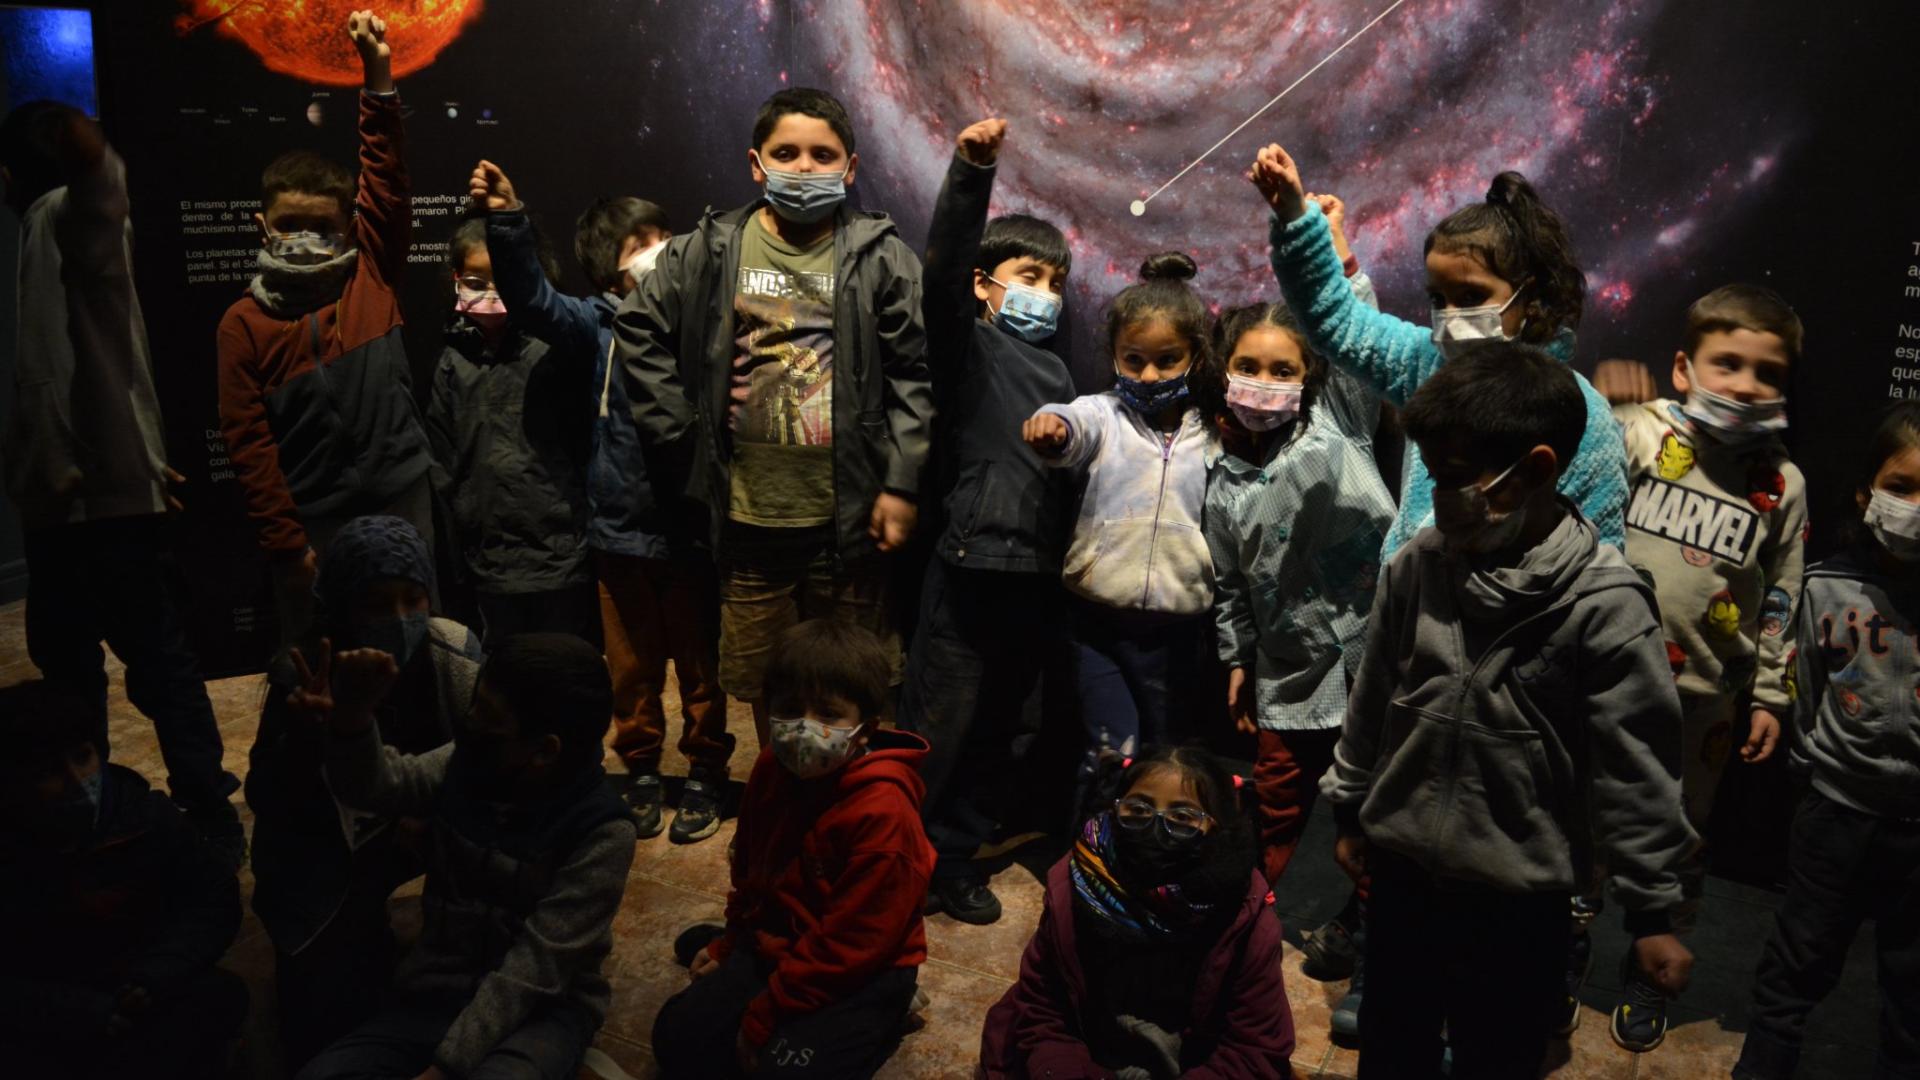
{"type": "Point", "coordinates": [1138, 544]}
{"type": "Point", "coordinates": [829, 876]}
{"type": "Point", "coordinates": [674, 342]}
{"type": "Point", "coordinates": [1395, 356]}
{"type": "Point", "coordinates": [511, 435]}
{"type": "Point", "coordinates": [1858, 676]}
{"type": "Point", "coordinates": [1512, 726]}
{"type": "Point", "coordinates": [623, 517]}
{"type": "Point", "coordinates": [303, 859]}
{"type": "Point", "coordinates": [1719, 532]}
{"type": "Point", "coordinates": [318, 411]}
{"type": "Point", "coordinates": [1241, 1029]}
{"type": "Point", "coordinates": [1004, 509]}
{"type": "Point", "coordinates": [520, 897]}
{"type": "Point", "coordinates": [84, 438]}
{"type": "Point", "coordinates": [145, 901]}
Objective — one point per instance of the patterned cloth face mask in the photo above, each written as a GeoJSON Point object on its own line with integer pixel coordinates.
{"type": "Point", "coordinates": [810, 749]}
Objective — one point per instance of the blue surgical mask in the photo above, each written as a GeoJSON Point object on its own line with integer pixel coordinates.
{"type": "Point", "coordinates": [1030, 314]}
{"type": "Point", "coordinates": [804, 198]}
{"type": "Point", "coordinates": [400, 637]}
{"type": "Point", "coordinates": [1152, 398]}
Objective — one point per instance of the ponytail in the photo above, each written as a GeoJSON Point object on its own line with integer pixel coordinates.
{"type": "Point", "coordinates": [1523, 242]}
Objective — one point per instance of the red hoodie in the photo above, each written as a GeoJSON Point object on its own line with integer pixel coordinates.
{"type": "Point", "coordinates": [829, 877]}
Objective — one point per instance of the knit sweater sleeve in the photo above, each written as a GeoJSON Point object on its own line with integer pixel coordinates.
{"type": "Point", "coordinates": [1388, 353]}
{"type": "Point", "coordinates": [1596, 479]}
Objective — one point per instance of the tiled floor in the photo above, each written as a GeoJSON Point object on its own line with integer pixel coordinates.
{"type": "Point", "coordinates": [970, 967]}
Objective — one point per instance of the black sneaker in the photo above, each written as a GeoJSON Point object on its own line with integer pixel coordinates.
{"type": "Point", "coordinates": [1330, 953]}
{"type": "Point", "coordinates": [645, 797]}
{"type": "Point", "coordinates": [965, 898]}
{"type": "Point", "coordinates": [1579, 962]}
{"type": "Point", "coordinates": [694, 940]}
{"type": "Point", "coordinates": [1640, 1020]}
{"type": "Point", "coordinates": [1345, 1022]}
{"type": "Point", "coordinates": [699, 813]}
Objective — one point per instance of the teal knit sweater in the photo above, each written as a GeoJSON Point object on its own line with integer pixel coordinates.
{"type": "Point", "coordinates": [1395, 356]}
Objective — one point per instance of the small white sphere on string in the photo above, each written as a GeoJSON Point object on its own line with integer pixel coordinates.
{"type": "Point", "coordinates": [1139, 208]}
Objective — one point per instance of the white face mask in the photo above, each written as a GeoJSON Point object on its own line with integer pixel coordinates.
{"type": "Point", "coordinates": [1467, 521]}
{"type": "Point", "coordinates": [1455, 330]}
{"type": "Point", "coordinates": [306, 248]}
{"type": "Point", "coordinates": [810, 749]}
{"type": "Point", "coordinates": [1895, 522]}
{"type": "Point", "coordinates": [1731, 420]}
{"type": "Point", "coordinates": [641, 262]}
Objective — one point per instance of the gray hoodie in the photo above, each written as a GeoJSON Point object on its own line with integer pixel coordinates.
{"type": "Point", "coordinates": [1858, 672]}
{"type": "Point", "coordinates": [1511, 725]}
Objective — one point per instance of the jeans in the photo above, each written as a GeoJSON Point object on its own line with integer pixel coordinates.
{"type": "Point", "coordinates": [572, 610]}
{"type": "Point", "coordinates": [1138, 671]}
{"type": "Point", "coordinates": [850, 1038]}
{"type": "Point", "coordinates": [108, 580]}
{"type": "Point", "coordinates": [1845, 867]}
{"type": "Point", "coordinates": [764, 594]}
{"type": "Point", "coordinates": [983, 640]}
{"type": "Point", "coordinates": [1433, 945]}
{"type": "Point", "coordinates": [652, 611]}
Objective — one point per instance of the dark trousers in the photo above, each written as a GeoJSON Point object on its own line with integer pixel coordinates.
{"type": "Point", "coordinates": [108, 581]}
{"type": "Point", "coordinates": [1286, 779]}
{"type": "Point", "coordinates": [653, 611]}
{"type": "Point", "coordinates": [186, 1033]}
{"type": "Point", "coordinates": [1844, 867]}
{"type": "Point", "coordinates": [1432, 945]}
{"type": "Point", "coordinates": [337, 982]}
{"type": "Point", "coordinates": [573, 610]}
{"type": "Point", "coordinates": [695, 1032]}
{"type": "Point", "coordinates": [399, 1044]}
{"type": "Point", "coordinates": [983, 639]}
{"type": "Point", "coordinates": [1139, 672]}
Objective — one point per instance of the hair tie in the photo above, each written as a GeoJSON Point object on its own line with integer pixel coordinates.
{"type": "Point", "coordinates": [1239, 782]}
{"type": "Point", "coordinates": [1126, 763]}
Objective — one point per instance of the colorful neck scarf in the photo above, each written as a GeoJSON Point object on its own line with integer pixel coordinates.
{"type": "Point", "coordinates": [1164, 910]}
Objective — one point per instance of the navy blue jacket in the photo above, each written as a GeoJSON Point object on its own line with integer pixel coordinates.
{"type": "Point", "coordinates": [622, 516]}
{"type": "Point", "coordinates": [1005, 510]}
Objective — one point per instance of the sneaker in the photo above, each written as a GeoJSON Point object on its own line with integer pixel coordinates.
{"type": "Point", "coordinates": [965, 898]}
{"type": "Point", "coordinates": [1640, 1020]}
{"type": "Point", "coordinates": [1330, 953]}
{"type": "Point", "coordinates": [695, 939]}
{"type": "Point", "coordinates": [1346, 1012]}
{"type": "Point", "coordinates": [1579, 961]}
{"type": "Point", "coordinates": [699, 813]}
{"type": "Point", "coordinates": [645, 797]}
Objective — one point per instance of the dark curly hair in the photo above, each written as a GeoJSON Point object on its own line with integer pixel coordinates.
{"type": "Point", "coordinates": [1163, 292]}
{"type": "Point", "coordinates": [1525, 244]}
{"type": "Point", "coordinates": [1234, 324]}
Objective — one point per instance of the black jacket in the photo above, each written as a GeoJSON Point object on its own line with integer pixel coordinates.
{"type": "Point", "coordinates": [146, 902]}
{"type": "Point", "coordinates": [673, 337]}
{"type": "Point", "coordinates": [512, 429]}
{"type": "Point", "coordinates": [1005, 510]}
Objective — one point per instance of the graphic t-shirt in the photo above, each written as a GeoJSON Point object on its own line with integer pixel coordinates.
{"type": "Point", "coordinates": [782, 383]}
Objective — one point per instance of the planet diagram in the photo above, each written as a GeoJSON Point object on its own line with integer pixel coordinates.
{"type": "Point", "coordinates": [309, 41]}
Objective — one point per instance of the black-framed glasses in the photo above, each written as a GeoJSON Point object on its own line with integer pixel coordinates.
{"type": "Point", "coordinates": [1182, 822]}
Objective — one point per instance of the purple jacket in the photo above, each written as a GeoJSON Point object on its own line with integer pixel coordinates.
{"type": "Point", "coordinates": [1241, 1021]}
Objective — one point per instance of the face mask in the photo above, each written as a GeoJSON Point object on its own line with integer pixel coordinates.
{"type": "Point", "coordinates": [1263, 406]}
{"type": "Point", "coordinates": [1153, 856]}
{"type": "Point", "coordinates": [67, 825]}
{"type": "Point", "coordinates": [1030, 314]}
{"type": "Point", "coordinates": [1895, 522]}
{"type": "Point", "coordinates": [804, 198]}
{"type": "Point", "coordinates": [1151, 398]}
{"type": "Point", "coordinates": [1469, 524]}
{"type": "Point", "coordinates": [641, 264]}
{"type": "Point", "coordinates": [810, 749]}
{"type": "Point", "coordinates": [483, 306]}
{"type": "Point", "coordinates": [400, 637]}
{"type": "Point", "coordinates": [305, 248]}
{"type": "Point", "coordinates": [1456, 330]}
{"type": "Point", "coordinates": [1730, 420]}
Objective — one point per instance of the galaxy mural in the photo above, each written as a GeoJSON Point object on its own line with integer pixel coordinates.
{"type": "Point", "coordinates": [1689, 142]}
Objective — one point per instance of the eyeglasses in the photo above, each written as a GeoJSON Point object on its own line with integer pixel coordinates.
{"type": "Point", "coordinates": [1182, 822]}
{"type": "Point", "coordinates": [476, 284]}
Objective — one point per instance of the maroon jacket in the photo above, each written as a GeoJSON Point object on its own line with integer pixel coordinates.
{"type": "Point", "coordinates": [1242, 1027]}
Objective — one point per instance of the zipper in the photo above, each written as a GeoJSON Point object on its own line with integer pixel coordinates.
{"type": "Point", "coordinates": [1153, 538]}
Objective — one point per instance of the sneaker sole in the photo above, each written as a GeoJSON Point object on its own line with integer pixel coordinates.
{"type": "Point", "coordinates": [1626, 1044]}
{"type": "Point", "coordinates": [695, 837]}
{"type": "Point", "coordinates": [645, 834]}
